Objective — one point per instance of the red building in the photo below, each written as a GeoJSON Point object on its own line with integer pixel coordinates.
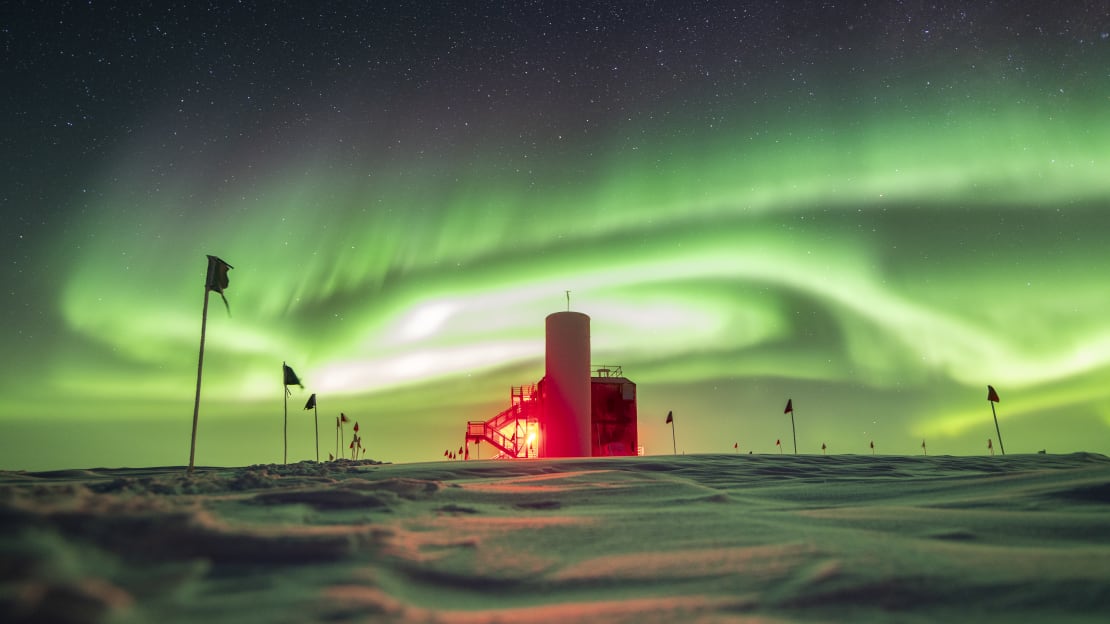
{"type": "Point", "coordinates": [576, 410]}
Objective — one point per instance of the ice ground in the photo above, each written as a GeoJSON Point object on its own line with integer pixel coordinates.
{"type": "Point", "coordinates": [763, 538]}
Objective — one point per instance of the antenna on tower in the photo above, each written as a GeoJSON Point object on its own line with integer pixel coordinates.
{"type": "Point", "coordinates": [568, 301]}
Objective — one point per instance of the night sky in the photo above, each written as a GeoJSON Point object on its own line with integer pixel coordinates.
{"type": "Point", "coordinates": [873, 209]}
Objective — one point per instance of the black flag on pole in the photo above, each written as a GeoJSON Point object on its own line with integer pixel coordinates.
{"type": "Point", "coordinates": [291, 378]}
{"type": "Point", "coordinates": [217, 279]}
{"type": "Point", "coordinates": [992, 397]}
{"type": "Point", "coordinates": [311, 402]}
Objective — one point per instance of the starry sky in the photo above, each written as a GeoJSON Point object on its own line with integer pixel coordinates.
{"type": "Point", "coordinates": [874, 209]}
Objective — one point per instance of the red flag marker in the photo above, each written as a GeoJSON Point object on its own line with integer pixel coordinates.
{"type": "Point", "coordinates": [778, 443]}
{"type": "Point", "coordinates": [342, 420]}
{"type": "Point", "coordinates": [992, 398]}
{"type": "Point", "coordinates": [311, 405]}
{"type": "Point", "coordinates": [790, 410]}
{"type": "Point", "coordinates": [872, 447]}
{"type": "Point", "coordinates": [670, 421]}
{"type": "Point", "coordinates": [923, 449]}
{"type": "Point", "coordinates": [990, 447]}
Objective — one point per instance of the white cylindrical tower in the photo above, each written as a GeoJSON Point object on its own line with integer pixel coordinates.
{"type": "Point", "coordinates": [567, 385]}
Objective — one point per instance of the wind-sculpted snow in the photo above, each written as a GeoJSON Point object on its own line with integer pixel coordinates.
{"type": "Point", "coordinates": [736, 538]}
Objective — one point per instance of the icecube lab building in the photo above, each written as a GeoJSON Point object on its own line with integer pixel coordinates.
{"type": "Point", "coordinates": [576, 410]}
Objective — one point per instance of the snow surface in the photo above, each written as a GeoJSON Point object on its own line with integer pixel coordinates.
{"type": "Point", "coordinates": [708, 538]}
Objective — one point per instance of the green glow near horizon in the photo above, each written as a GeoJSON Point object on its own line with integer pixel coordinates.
{"type": "Point", "coordinates": [794, 256]}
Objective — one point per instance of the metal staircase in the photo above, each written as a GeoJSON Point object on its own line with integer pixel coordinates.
{"type": "Point", "coordinates": [507, 431]}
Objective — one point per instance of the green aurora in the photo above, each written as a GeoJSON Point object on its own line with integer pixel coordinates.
{"type": "Point", "coordinates": [878, 263]}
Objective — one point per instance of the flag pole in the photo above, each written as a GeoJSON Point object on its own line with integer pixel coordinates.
{"type": "Point", "coordinates": [216, 280]}
{"type": "Point", "coordinates": [790, 410]}
{"type": "Point", "coordinates": [670, 419]}
{"type": "Point", "coordinates": [794, 431]}
{"type": "Point", "coordinates": [285, 424]}
{"type": "Point", "coordinates": [992, 398]}
{"type": "Point", "coordinates": [996, 430]}
{"type": "Point", "coordinates": [316, 419]}
{"type": "Point", "coordinates": [200, 367]}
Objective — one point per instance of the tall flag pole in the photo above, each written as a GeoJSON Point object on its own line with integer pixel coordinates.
{"type": "Point", "coordinates": [289, 378]}
{"type": "Point", "coordinates": [670, 421]}
{"type": "Point", "coordinates": [340, 421]}
{"type": "Point", "coordinates": [215, 280]}
{"type": "Point", "coordinates": [790, 410]}
{"type": "Point", "coordinates": [311, 405]}
{"type": "Point", "coordinates": [992, 398]}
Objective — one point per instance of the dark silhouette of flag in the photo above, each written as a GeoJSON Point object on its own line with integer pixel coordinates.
{"type": "Point", "coordinates": [789, 406]}
{"type": "Point", "coordinates": [670, 421]}
{"type": "Point", "coordinates": [311, 404]}
{"type": "Point", "coordinates": [291, 378]}
{"type": "Point", "coordinates": [217, 279]}
{"type": "Point", "coordinates": [992, 398]}
{"type": "Point", "coordinates": [736, 445]}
